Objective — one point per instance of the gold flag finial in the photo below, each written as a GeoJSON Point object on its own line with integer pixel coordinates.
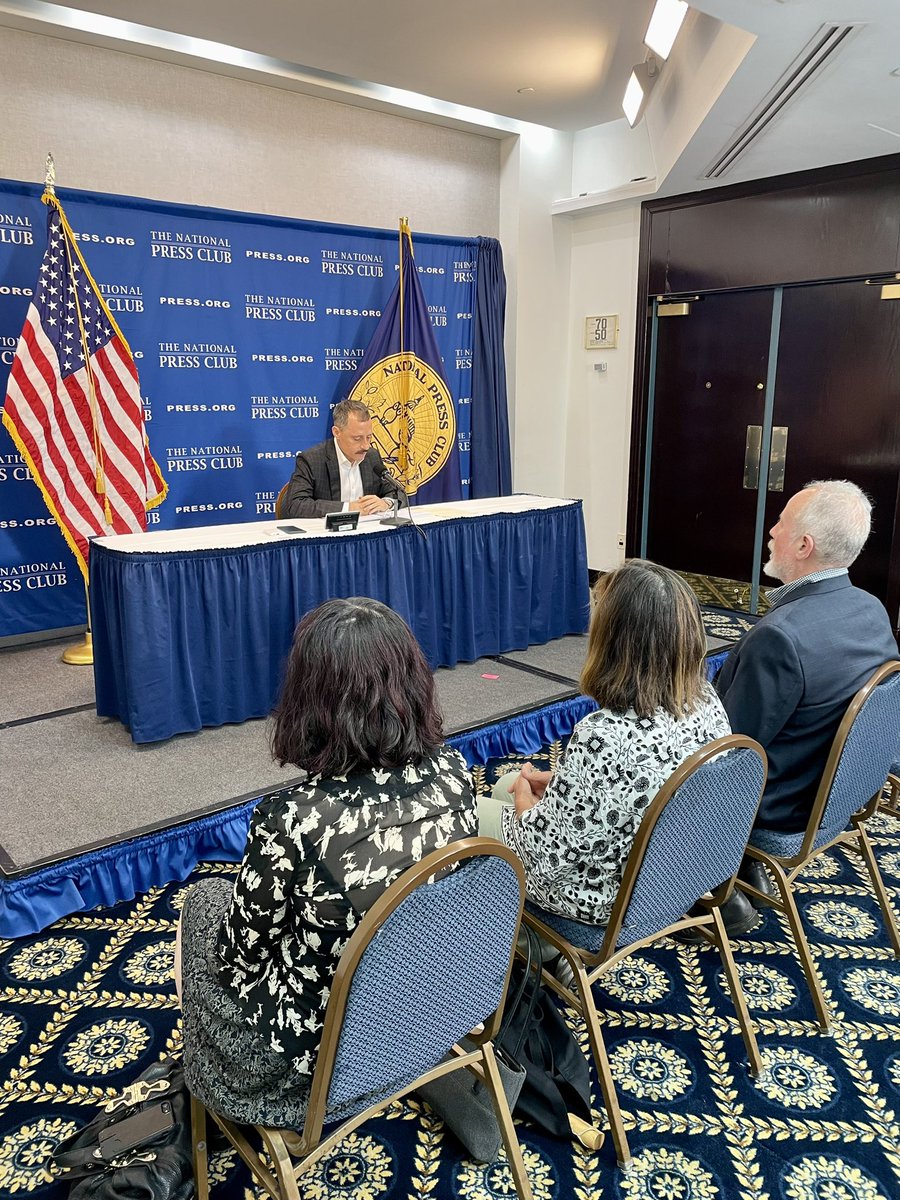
{"type": "Point", "coordinates": [50, 176]}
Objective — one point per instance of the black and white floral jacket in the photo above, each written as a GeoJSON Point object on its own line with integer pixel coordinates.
{"type": "Point", "coordinates": [318, 856]}
{"type": "Point", "coordinates": [574, 842]}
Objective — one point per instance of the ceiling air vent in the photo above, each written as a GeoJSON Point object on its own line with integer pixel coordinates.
{"type": "Point", "coordinates": [805, 67]}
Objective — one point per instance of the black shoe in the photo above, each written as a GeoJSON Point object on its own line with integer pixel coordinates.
{"type": "Point", "coordinates": [753, 872]}
{"type": "Point", "coordinates": [738, 914]}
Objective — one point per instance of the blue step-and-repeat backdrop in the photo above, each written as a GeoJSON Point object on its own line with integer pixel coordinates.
{"type": "Point", "coordinates": [246, 331]}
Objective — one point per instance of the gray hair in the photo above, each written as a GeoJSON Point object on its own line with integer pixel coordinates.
{"type": "Point", "coordinates": [345, 408]}
{"type": "Point", "coordinates": [838, 517]}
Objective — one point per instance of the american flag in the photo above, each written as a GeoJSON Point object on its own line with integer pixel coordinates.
{"type": "Point", "coordinates": [73, 403]}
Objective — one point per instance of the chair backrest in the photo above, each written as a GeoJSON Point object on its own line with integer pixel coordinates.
{"type": "Point", "coordinates": [860, 759]}
{"type": "Point", "coordinates": [279, 501]}
{"type": "Point", "coordinates": [427, 963]}
{"type": "Point", "coordinates": [691, 838]}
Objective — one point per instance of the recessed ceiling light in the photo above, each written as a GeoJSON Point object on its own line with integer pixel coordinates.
{"type": "Point", "coordinates": [525, 91]}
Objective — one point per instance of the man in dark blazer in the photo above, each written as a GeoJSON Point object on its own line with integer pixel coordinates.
{"type": "Point", "coordinates": [788, 681]}
{"type": "Point", "coordinates": [345, 473]}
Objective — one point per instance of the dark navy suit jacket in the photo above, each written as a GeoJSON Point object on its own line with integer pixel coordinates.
{"type": "Point", "coordinates": [789, 680]}
{"type": "Point", "coordinates": [315, 486]}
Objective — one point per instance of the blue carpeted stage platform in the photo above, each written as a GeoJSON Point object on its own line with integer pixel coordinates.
{"type": "Point", "coordinates": [109, 820]}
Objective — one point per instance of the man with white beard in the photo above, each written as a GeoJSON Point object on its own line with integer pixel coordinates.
{"type": "Point", "coordinates": [789, 680]}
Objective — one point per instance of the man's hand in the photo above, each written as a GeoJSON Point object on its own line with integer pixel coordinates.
{"type": "Point", "coordinates": [368, 505]}
{"type": "Point", "coordinates": [537, 780]}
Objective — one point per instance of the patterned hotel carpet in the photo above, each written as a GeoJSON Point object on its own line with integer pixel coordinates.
{"type": "Point", "coordinates": [89, 1003]}
{"type": "Point", "coordinates": [726, 623]}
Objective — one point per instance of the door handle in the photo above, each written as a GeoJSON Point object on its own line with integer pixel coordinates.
{"type": "Point", "coordinates": [752, 452]}
{"type": "Point", "coordinates": [778, 458]}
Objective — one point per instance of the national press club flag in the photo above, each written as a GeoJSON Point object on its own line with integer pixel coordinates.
{"type": "Point", "coordinates": [401, 381]}
{"type": "Point", "coordinates": [73, 402]}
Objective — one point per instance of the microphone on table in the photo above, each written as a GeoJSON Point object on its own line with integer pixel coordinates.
{"type": "Point", "coordinates": [382, 472]}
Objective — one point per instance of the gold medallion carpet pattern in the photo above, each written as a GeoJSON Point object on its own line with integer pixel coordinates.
{"type": "Point", "coordinates": [89, 1003]}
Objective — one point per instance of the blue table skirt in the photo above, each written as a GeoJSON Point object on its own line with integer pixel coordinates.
{"type": "Point", "coordinates": [190, 639]}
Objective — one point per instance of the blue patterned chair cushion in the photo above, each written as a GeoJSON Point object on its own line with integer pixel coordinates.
{"type": "Point", "coordinates": [865, 761]}
{"type": "Point", "coordinates": [868, 753]}
{"type": "Point", "coordinates": [698, 842]}
{"type": "Point", "coordinates": [786, 845]}
{"type": "Point", "coordinates": [587, 937]}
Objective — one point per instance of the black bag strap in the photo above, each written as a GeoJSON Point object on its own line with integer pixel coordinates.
{"type": "Point", "coordinates": [529, 1003]}
{"type": "Point", "coordinates": [512, 1002]}
{"type": "Point", "coordinates": [78, 1164]}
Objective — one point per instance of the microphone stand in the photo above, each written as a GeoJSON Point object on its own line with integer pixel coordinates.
{"type": "Point", "coordinates": [400, 493]}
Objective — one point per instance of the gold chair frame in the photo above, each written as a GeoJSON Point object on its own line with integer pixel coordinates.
{"type": "Point", "coordinates": [890, 803]}
{"type": "Point", "coordinates": [283, 1147]}
{"type": "Point", "coordinates": [588, 967]}
{"type": "Point", "coordinates": [279, 501]}
{"type": "Point", "coordinates": [786, 869]}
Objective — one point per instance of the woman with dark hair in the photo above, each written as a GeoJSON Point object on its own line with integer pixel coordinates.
{"type": "Point", "coordinates": [573, 828]}
{"type": "Point", "coordinates": [358, 716]}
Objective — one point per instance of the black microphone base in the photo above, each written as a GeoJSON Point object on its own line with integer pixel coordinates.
{"type": "Point", "coordinates": [397, 521]}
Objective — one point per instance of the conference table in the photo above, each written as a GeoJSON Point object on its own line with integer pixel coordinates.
{"type": "Point", "coordinates": [192, 627]}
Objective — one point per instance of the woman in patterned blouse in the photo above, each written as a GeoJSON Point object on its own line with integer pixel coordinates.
{"type": "Point", "coordinates": [573, 828]}
{"type": "Point", "coordinates": [358, 716]}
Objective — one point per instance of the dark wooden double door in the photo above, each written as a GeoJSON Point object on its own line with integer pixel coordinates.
{"type": "Point", "coordinates": [834, 385]}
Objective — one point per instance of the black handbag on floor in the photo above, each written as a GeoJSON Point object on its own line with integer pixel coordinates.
{"type": "Point", "coordinates": [138, 1147]}
{"type": "Point", "coordinates": [557, 1077]}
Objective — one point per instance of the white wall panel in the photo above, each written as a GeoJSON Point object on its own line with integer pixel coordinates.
{"type": "Point", "coordinates": [598, 427]}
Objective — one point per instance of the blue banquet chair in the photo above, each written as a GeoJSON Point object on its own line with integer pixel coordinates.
{"type": "Point", "coordinates": [858, 763]}
{"type": "Point", "coordinates": [427, 965]}
{"type": "Point", "coordinates": [680, 870]}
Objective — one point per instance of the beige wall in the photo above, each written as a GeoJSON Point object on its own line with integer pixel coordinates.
{"type": "Point", "coordinates": [118, 123]}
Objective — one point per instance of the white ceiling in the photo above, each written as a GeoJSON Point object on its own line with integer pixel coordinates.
{"type": "Point", "coordinates": [849, 111]}
{"type": "Point", "coordinates": [575, 54]}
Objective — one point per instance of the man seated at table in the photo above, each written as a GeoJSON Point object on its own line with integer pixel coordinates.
{"type": "Point", "coordinates": [345, 473]}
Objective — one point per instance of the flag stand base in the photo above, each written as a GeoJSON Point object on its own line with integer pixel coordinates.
{"type": "Point", "coordinates": [81, 655]}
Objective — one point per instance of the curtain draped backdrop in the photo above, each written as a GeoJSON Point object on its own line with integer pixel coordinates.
{"type": "Point", "coordinates": [489, 466]}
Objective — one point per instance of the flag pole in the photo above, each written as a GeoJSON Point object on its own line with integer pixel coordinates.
{"type": "Point", "coordinates": [403, 439]}
{"type": "Point", "coordinates": [81, 655]}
